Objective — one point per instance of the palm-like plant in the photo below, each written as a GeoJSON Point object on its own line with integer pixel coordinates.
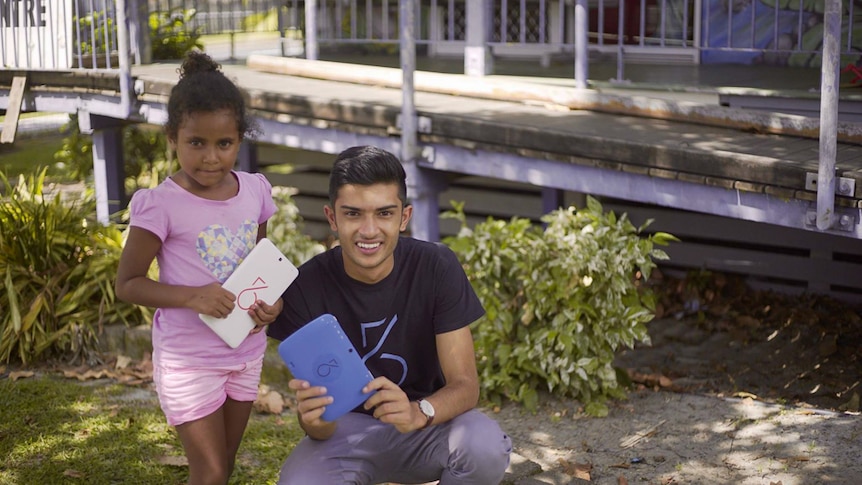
{"type": "Point", "coordinates": [57, 269]}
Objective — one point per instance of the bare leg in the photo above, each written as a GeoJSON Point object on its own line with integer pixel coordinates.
{"type": "Point", "coordinates": [236, 415]}
{"type": "Point", "coordinates": [211, 443]}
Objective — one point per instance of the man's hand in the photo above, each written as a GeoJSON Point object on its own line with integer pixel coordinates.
{"type": "Point", "coordinates": [311, 402]}
{"type": "Point", "coordinates": [264, 314]}
{"type": "Point", "coordinates": [391, 405]}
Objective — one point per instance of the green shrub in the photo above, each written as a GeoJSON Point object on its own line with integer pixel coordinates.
{"type": "Point", "coordinates": [97, 31]}
{"type": "Point", "coordinates": [57, 267]}
{"type": "Point", "coordinates": [285, 228]}
{"type": "Point", "coordinates": [144, 155]}
{"type": "Point", "coordinates": [75, 158]}
{"type": "Point", "coordinates": [559, 301]}
{"type": "Point", "coordinates": [171, 37]}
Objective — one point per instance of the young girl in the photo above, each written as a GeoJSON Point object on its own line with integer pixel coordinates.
{"type": "Point", "coordinates": [199, 224]}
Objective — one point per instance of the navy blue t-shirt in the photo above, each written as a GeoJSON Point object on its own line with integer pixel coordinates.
{"type": "Point", "coordinates": [393, 322]}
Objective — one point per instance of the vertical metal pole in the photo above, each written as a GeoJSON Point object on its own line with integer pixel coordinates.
{"type": "Point", "coordinates": [582, 55]}
{"type": "Point", "coordinates": [408, 66]}
{"type": "Point", "coordinates": [829, 72]}
{"type": "Point", "coordinates": [421, 189]}
{"type": "Point", "coordinates": [126, 94]}
{"type": "Point", "coordinates": [621, 13]}
{"type": "Point", "coordinates": [311, 50]}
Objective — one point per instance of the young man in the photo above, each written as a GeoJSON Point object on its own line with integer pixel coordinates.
{"type": "Point", "coordinates": [406, 305]}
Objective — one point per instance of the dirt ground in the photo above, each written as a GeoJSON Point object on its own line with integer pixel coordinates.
{"type": "Point", "coordinates": [737, 387]}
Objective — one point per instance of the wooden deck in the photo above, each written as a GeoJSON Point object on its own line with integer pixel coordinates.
{"type": "Point", "coordinates": [680, 141]}
{"type": "Point", "coordinates": [509, 147]}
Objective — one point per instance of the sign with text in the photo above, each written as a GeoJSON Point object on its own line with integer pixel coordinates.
{"type": "Point", "coordinates": [36, 34]}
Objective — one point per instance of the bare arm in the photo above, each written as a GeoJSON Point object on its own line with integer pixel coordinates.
{"type": "Point", "coordinates": [458, 361]}
{"type": "Point", "coordinates": [459, 395]}
{"type": "Point", "coordinates": [134, 286]}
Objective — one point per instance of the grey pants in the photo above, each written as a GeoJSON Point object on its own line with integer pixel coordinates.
{"type": "Point", "coordinates": [470, 449]}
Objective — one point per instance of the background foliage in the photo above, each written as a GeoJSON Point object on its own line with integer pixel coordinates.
{"type": "Point", "coordinates": [560, 301]}
{"type": "Point", "coordinates": [170, 33]}
{"type": "Point", "coordinates": [57, 266]}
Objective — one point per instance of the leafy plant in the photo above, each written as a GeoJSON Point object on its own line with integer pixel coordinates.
{"type": "Point", "coordinates": [559, 302]}
{"type": "Point", "coordinates": [75, 157]}
{"type": "Point", "coordinates": [94, 29]}
{"type": "Point", "coordinates": [57, 267]}
{"type": "Point", "coordinates": [144, 155]}
{"type": "Point", "coordinates": [285, 228]}
{"type": "Point", "coordinates": [171, 34]}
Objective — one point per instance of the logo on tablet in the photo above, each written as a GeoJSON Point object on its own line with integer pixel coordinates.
{"type": "Point", "coordinates": [248, 296]}
{"type": "Point", "coordinates": [327, 367]}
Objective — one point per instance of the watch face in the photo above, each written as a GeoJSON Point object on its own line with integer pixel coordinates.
{"type": "Point", "coordinates": [426, 408]}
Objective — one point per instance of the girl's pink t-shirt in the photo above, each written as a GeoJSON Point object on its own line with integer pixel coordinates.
{"type": "Point", "coordinates": [202, 242]}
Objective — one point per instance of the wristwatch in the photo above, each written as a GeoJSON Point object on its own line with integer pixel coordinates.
{"type": "Point", "coordinates": [428, 410]}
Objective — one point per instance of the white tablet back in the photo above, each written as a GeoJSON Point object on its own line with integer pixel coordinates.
{"type": "Point", "coordinates": [263, 275]}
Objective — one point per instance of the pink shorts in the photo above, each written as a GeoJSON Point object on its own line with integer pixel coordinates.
{"type": "Point", "coordinates": [189, 393]}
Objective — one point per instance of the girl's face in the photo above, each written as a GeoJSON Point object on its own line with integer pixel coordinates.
{"type": "Point", "coordinates": [206, 144]}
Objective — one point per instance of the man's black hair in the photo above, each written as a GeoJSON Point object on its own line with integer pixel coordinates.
{"type": "Point", "coordinates": [367, 165]}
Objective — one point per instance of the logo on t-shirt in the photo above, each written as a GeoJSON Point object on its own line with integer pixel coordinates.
{"type": "Point", "coordinates": [383, 355]}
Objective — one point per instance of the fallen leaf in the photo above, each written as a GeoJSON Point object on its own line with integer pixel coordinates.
{"type": "Point", "coordinates": [630, 441]}
{"type": "Point", "coordinates": [21, 374]}
{"type": "Point", "coordinates": [173, 460]}
{"type": "Point", "coordinates": [852, 405]}
{"type": "Point", "coordinates": [828, 346]}
{"type": "Point", "coordinates": [747, 321]}
{"type": "Point", "coordinates": [2, 369]}
{"type": "Point", "coordinates": [577, 470]}
{"type": "Point", "coordinates": [123, 361]}
{"type": "Point", "coordinates": [776, 483]}
{"type": "Point", "coordinates": [796, 458]}
{"type": "Point", "coordinates": [271, 403]}
{"type": "Point", "coordinates": [621, 480]}
{"type": "Point", "coordinates": [73, 473]}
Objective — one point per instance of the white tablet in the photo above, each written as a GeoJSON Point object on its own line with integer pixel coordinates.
{"type": "Point", "coordinates": [263, 275]}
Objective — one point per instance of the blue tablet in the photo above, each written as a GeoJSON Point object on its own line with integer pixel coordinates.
{"type": "Point", "coordinates": [321, 354]}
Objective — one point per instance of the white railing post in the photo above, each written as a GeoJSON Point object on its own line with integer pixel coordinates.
{"type": "Point", "coordinates": [311, 48]}
{"type": "Point", "coordinates": [477, 55]}
{"type": "Point", "coordinates": [582, 55]}
{"type": "Point", "coordinates": [123, 53]}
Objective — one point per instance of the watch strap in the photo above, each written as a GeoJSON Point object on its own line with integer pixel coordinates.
{"type": "Point", "coordinates": [428, 418]}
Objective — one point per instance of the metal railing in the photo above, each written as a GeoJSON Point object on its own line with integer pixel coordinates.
{"type": "Point", "coordinates": [83, 34]}
{"type": "Point", "coordinates": [58, 34]}
{"type": "Point", "coordinates": [778, 32]}
{"type": "Point", "coordinates": [221, 17]}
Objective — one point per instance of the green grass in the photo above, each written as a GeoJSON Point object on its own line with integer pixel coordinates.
{"type": "Point", "coordinates": [56, 430]}
{"type": "Point", "coordinates": [26, 155]}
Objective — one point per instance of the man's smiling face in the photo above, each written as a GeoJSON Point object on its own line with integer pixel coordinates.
{"type": "Point", "coordinates": [368, 220]}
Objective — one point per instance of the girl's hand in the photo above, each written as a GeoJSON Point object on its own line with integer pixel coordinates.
{"type": "Point", "coordinates": [212, 300]}
{"type": "Point", "coordinates": [264, 314]}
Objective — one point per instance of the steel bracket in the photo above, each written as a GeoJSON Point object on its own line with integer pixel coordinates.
{"type": "Point", "coordinates": [423, 124]}
{"type": "Point", "coordinates": [843, 185]}
{"type": "Point", "coordinates": [844, 219]}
